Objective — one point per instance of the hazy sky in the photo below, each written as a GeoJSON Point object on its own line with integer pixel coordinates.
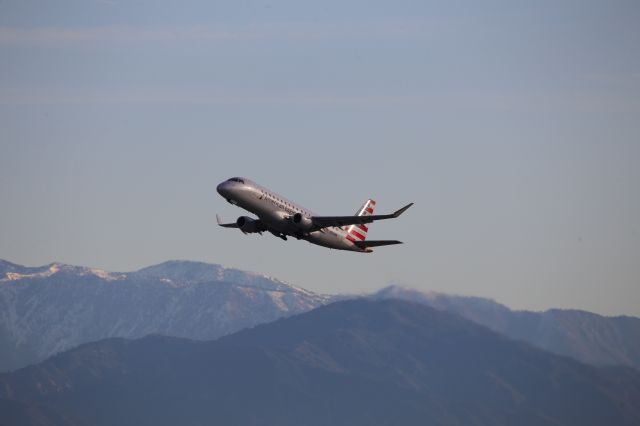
{"type": "Point", "coordinates": [514, 128]}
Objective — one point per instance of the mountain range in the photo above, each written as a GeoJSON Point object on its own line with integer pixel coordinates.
{"type": "Point", "coordinates": [49, 309]}
{"type": "Point", "coordinates": [353, 362]}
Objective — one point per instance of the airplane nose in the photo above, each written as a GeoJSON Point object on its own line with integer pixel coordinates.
{"type": "Point", "coordinates": [223, 189]}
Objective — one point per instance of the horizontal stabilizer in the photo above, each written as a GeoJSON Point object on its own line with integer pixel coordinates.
{"type": "Point", "coordinates": [376, 243]}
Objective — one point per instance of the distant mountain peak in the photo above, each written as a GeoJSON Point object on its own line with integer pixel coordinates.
{"type": "Point", "coordinates": [17, 272]}
{"type": "Point", "coordinates": [175, 273]}
{"type": "Point", "coordinates": [403, 292]}
{"type": "Point", "coordinates": [51, 308]}
{"type": "Point", "coordinates": [588, 337]}
{"type": "Point", "coordinates": [191, 272]}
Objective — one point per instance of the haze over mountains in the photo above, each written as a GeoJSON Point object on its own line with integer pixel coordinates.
{"type": "Point", "coordinates": [354, 362]}
{"type": "Point", "coordinates": [49, 309]}
{"type": "Point", "coordinates": [585, 336]}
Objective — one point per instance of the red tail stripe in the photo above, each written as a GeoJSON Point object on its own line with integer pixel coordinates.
{"type": "Point", "coordinates": [364, 228]}
{"type": "Point", "coordinates": [358, 230]}
{"type": "Point", "coordinates": [355, 233]}
{"type": "Point", "coordinates": [350, 238]}
{"type": "Point", "coordinates": [370, 210]}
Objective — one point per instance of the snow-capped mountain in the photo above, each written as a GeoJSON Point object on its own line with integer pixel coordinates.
{"type": "Point", "coordinates": [49, 309]}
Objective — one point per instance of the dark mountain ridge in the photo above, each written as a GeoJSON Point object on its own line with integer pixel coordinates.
{"type": "Point", "coordinates": [352, 362]}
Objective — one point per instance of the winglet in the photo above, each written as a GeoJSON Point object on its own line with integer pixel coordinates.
{"type": "Point", "coordinates": [226, 225]}
{"type": "Point", "coordinates": [402, 210]}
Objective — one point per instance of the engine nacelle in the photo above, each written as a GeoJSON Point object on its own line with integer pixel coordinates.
{"type": "Point", "coordinates": [303, 223]}
{"type": "Point", "coordinates": [247, 225]}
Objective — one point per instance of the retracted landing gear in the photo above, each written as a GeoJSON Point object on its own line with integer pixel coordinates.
{"type": "Point", "coordinates": [279, 235]}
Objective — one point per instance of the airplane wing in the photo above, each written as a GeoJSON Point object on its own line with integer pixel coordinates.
{"type": "Point", "coordinates": [226, 225]}
{"type": "Point", "coordinates": [327, 221]}
{"type": "Point", "coordinates": [376, 243]}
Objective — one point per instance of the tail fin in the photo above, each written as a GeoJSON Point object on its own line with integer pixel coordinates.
{"type": "Point", "coordinates": [359, 232]}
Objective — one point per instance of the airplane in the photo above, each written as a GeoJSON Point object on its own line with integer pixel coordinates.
{"type": "Point", "coordinates": [284, 218]}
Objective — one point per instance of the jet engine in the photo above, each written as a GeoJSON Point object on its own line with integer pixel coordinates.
{"type": "Point", "coordinates": [248, 225]}
{"type": "Point", "coordinates": [303, 223]}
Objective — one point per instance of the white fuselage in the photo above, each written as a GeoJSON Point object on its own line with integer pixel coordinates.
{"type": "Point", "coordinates": [275, 212]}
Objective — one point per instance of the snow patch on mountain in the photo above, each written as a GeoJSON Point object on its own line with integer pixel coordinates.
{"type": "Point", "coordinates": [106, 275]}
{"type": "Point", "coordinates": [14, 276]}
{"type": "Point", "coordinates": [277, 298]}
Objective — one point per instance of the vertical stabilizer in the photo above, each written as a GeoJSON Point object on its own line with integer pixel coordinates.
{"type": "Point", "coordinates": [359, 232]}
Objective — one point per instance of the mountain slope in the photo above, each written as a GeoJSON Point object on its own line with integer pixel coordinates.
{"type": "Point", "coordinates": [355, 362]}
{"type": "Point", "coordinates": [585, 336]}
{"type": "Point", "coordinates": [49, 309]}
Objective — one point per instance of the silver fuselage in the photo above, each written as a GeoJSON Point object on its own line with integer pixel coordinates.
{"type": "Point", "coordinates": [275, 212]}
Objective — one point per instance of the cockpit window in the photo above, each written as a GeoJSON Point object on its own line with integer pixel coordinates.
{"type": "Point", "coordinates": [235, 179]}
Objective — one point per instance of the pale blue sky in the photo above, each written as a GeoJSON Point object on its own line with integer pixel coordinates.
{"type": "Point", "coordinates": [513, 127]}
